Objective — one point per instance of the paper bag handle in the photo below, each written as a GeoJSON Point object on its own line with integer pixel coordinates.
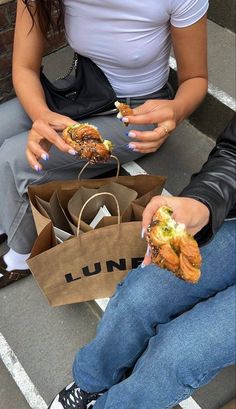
{"type": "Point", "coordinates": [87, 164]}
{"type": "Point", "coordinates": [92, 197]}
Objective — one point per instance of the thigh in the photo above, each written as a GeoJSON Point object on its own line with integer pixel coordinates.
{"type": "Point", "coordinates": [13, 119]}
{"type": "Point", "coordinates": [185, 354]}
{"type": "Point", "coordinates": [13, 162]}
{"type": "Point", "coordinates": [168, 296]}
{"type": "Point", "coordinates": [198, 343]}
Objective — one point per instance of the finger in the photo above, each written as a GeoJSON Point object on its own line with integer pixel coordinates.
{"type": "Point", "coordinates": [149, 136]}
{"type": "Point", "coordinates": [33, 161]}
{"type": "Point", "coordinates": [148, 106]}
{"type": "Point", "coordinates": [61, 123]}
{"type": "Point", "coordinates": [51, 135]}
{"type": "Point", "coordinates": [157, 115]}
{"type": "Point", "coordinates": [145, 147]}
{"type": "Point", "coordinates": [37, 150]}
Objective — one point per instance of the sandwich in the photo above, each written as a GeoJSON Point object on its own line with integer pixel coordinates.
{"type": "Point", "coordinates": [87, 141]}
{"type": "Point", "coordinates": [172, 247]}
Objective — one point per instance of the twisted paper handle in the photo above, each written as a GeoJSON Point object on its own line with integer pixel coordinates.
{"type": "Point", "coordinates": [92, 197]}
{"type": "Point", "coordinates": [87, 164]}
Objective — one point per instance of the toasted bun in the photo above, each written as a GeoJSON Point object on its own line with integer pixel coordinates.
{"type": "Point", "coordinates": [87, 141]}
{"type": "Point", "coordinates": [172, 247]}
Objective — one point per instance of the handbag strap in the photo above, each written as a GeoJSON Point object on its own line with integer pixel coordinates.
{"type": "Point", "coordinates": [87, 164]}
{"type": "Point", "coordinates": [93, 197]}
{"type": "Point", "coordinates": [74, 66]}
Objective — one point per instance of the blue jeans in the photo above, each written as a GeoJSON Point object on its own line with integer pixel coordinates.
{"type": "Point", "coordinates": [175, 336]}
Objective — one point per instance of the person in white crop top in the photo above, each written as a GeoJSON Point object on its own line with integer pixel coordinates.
{"type": "Point", "coordinates": [131, 42]}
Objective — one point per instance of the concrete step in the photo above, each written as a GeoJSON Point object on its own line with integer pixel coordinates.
{"type": "Point", "coordinates": [223, 13]}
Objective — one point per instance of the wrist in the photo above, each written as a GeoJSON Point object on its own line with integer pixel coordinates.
{"type": "Point", "coordinates": [203, 208]}
{"type": "Point", "coordinates": [40, 113]}
{"type": "Point", "coordinates": [178, 105]}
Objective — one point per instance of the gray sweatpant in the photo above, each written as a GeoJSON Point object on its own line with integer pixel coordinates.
{"type": "Point", "coordinates": [16, 174]}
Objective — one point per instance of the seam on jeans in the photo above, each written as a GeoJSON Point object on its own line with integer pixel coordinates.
{"type": "Point", "coordinates": [216, 369]}
{"type": "Point", "coordinates": [191, 388]}
{"type": "Point", "coordinates": [11, 236]}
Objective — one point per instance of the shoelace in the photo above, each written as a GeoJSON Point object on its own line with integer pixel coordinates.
{"type": "Point", "coordinates": [76, 398]}
{"type": "Point", "coordinates": [72, 399]}
{"type": "Point", "coordinates": [89, 398]}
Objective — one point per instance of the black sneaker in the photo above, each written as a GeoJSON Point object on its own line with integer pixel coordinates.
{"type": "Point", "coordinates": [73, 397]}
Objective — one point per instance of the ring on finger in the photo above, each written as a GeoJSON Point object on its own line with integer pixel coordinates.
{"type": "Point", "coordinates": [165, 129]}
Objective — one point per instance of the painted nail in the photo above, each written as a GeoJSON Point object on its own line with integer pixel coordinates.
{"type": "Point", "coordinates": [37, 168]}
{"type": "Point", "coordinates": [143, 232]}
{"type": "Point", "coordinates": [72, 152]}
{"type": "Point", "coordinates": [148, 252]}
{"type": "Point", "coordinates": [125, 119]}
{"type": "Point", "coordinates": [143, 265]}
{"type": "Point", "coordinates": [45, 156]}
{"type": "Point", "coordinates": [131, 134]}
{"type": "Point", "coordinates": [131, 146]}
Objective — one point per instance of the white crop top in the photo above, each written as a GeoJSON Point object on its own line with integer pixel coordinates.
{"type": "Point", "coordinates": [129, 40]}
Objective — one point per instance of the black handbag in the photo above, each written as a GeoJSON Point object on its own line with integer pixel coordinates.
{"type": "Point", "coordinates": [86, 94]}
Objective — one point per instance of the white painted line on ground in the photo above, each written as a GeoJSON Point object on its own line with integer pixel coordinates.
{"type": "Point", "coordinates": [19, 375]}
{"type": "Point", "coordinates": [134, 169]}
{"type": "Point", "coordinates": [216, 92]}
{"type": "Point", "coordinates": [189, 403]}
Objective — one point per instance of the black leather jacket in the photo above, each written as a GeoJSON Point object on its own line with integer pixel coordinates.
{"type": "Point", "coordinates": [215, 183]}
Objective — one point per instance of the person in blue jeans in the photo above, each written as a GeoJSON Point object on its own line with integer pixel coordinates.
{"type": "Point", "coordinates": [162, 338]}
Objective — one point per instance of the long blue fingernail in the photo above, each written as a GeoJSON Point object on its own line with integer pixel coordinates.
{"type": "Point", "coordinates": [131, 134]}
{"type": "Point", "coordinates": [143, 232]}
{"type": "Point", "coordinates": [128, 147]}
{"type": "Point", "coordinates": [45, 156]}
{"type": "Point", "coordinates": [143, 265]}
{"type": "Point", "coordinates": [125, 119]}
{"type": "Point", "coordinates": [72, 152]}
{"type": "Point", "coordinates": [37, 168]}
{"type": "Point", "coordinates": [131, 146]}
{"type": "Point", "coordinates": [148, 252]}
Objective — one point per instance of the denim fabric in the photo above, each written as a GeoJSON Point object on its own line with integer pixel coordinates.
{"type": "Point", "coordinates": [174, 335]}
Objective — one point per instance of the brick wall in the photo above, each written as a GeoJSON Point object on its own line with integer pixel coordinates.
{"type": "Point", "coordinates": [7, 21]}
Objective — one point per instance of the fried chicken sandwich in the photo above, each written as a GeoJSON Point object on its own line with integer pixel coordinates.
{"type": "Point", "coordinates": [87, 141]}
{"type": "Point", "coordinates": [172, 247]}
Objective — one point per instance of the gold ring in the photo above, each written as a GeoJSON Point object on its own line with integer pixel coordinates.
{"type": "Point", "coordinates": [165, 129]}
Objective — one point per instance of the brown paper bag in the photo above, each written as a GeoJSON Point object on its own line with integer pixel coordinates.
{"type": "Point", "coordinates": [91, 265]}
{"type": "Point", "coordinates": [142, 184]}
{"type": "Point", "coordinates": [88, 266]}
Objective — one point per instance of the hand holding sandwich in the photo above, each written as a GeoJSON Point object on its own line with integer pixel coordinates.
{"type": "Point", "coordinates": [194, 214]}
